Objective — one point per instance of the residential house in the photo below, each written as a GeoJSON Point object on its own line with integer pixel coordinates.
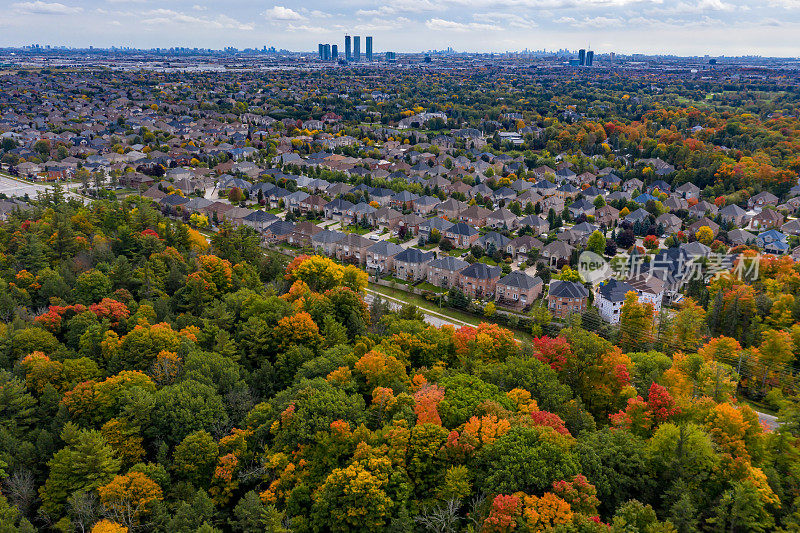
{"type": "Point", "coordinates": [387, 218]}
{"type": "Point", "coordinates": [313, 204]}
{"type": "Point", "coordinates": [791, 227]}
{"type": "Point", "coordinates": [403, 200]}
{"type": "Point", "coordinates": [410, 223]}
{"type": "Point", "coordinates": [424, 205]}
{"type": "Point", "coordinates": [502, 219]}
{"type": "Point", "coordinates": [670, 223]}
{"type": "Point", "coordinates": [565, 298]}
{"type": "Point", "coordinates": [695, 249]}
{"type": "Point", "coordinates": [479, 280]}
{"type": "Point", "coordinates": [556, 251]}
{"type": "Point", "coordinates": [492, 241]}
{"type": "Point", "coordinates": [380, 256]}
{"type": "Point", "coordinates": [673, 266]}
{"type": "Point", "coordinates": [443, 272]}
{"type": "Point", "coordinates": [674, 203]}
{"type": "Point", "coordinates": [292, 200]}
{"type": "Point", "coordinates": [738, 237]}
{"type": "Point", "coordinates": [174, 202]}
{"type": "Point", "coordinates": [504, 194]}
{"type": "Point", "coordinates": [733, 214]}
{"type": "Point", "coordinates": [195, 205]}
{"type": "Point", "coordinates": [633, 185]}
{"type": "Point", "coordinates": [474, 215]}
{"type": "Point", "coordinates": [766, 219]}
{"type": "Point", "coordinates": [688, 190]}
{"type": "Point", "coordinates": [302, 234]}
{"type": "Point", "coordinates": [337, 209]}
{"type": "Point", "coordinates": [552, 202]}
{"type": "Point", "coordinates": [518, 290]}
{"type": "Point", "coordinates": [258, 219]}
{"type": "Point", "coordinates": [762, 199]}
{"type": "Point", "coordinates": [412, 264]}
{"type": "Point", "coordinates": [773, 242]}
{"type": "Point", "coordinates": [529, 197]}
{"type": "Point", "coordinates": [450, 208]}
{"type": "Point", "coordinates": [649, 289]}
{"type": "Point", "coordinates": [610, 295]}
{"type": "Point", "coordinates": [703, 208]}
{"type": "Point", "coordinates": [462, 235]}
{"type": "Point", "coordinates": [606, 216]}
{"type": "Point", "coordinates": [567, 191]}
{"type": "Point", "coordinates": [705, 221]}
{"type": "Point", "coordinates": [521, 247]}
{"type": "Point", "coordinates": [278, 231]}
{"type": "Point", "coordinates": [439, 224]}
{"type": "Point", "coordinates": [640, 215]}
{"type": "Point", "coordinates": [325, 241]}
{"type": "Point", "coordinates": [536, 223]}
{"type": "Point", "coordinates": [352, 248]}
{"type": "Point", "coordinates": [360, 212]}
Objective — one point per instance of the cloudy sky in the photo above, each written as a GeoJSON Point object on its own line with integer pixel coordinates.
{"type": "Point", "coordinates": [684, 27]}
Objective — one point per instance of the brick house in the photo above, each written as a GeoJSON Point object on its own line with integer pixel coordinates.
{"type": "Point", "coordinates": [518, 290]}
{"type": "Point", "coordinates": [412, 264]}
{"type": "Point", "coordinates": [565, 298]}
{"type": "Point", "coordinates": [443, 272]}
{"type": "Point", "coordinates": [479, 280]}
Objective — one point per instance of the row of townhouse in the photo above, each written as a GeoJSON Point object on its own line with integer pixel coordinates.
{"type": "Point", "coordinates": [476, 280]}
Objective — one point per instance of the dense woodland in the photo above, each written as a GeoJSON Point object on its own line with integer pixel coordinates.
{"type": "Point", "coordinates": [157, 381]}
{"type": "Point", "coordinates": [153, 378]}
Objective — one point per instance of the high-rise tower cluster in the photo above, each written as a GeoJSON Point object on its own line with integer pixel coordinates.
{"type": "Point", "coordinates": [352, 50]}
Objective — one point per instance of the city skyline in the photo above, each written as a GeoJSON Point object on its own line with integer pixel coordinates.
{"type": "Point", "coordinates": [680, 27]}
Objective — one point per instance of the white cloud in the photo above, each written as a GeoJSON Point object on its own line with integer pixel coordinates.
{"type": "Point", "coordinates": [513, 20]}
{"type": "Point", "coordinates": [307, 28]}
{"type": "Point", "coordinates": [590, 22]}
{"type": "Point", "coordinates": [699, 7]}
{"type": "Point", "coordinates": [437, 24]}
{"type": "Point", "coordinates": [46, 8]}
{"type": "Point", "coordinates": [787, 4]}
{"type": "Point", "coordinates": [168, 17]}
{"type": "Point", "coordinates": [283, 13]}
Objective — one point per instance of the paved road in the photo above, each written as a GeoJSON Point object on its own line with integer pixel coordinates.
{"type": "Point", "coordinates": [431, 317]}
{"type": "Point", "coordinates": [769, 421]}
{"type": "Point", "coordinates": [13, 187]}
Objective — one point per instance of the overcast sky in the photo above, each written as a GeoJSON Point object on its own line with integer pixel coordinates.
{"type": "Point", "coordinates": [683, 27]}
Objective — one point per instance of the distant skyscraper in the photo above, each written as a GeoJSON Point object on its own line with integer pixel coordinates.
{"type": "Point", "coordinates": [321, 51]}
{"type": "Point", "coordinates": [326, 55]}
{"type": "Point", "coordinates": [334, 52]}
{"type": "Point", "coordinates": [582, 56]}
{"type": "Point", "coordinates": [369, 49]}
{"type": "Point", "coordinates": [391, 56]}
{"type": "Point", "coordinates": [356, 48]}
{"type": "Point", "coordinates": [348, 54]}
{"type": "Point", "coordinates": [589, 58]}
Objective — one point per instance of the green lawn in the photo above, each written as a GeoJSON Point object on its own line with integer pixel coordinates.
{"type": "Point", "coordinates": [422, 303]}
{"type": "Point", "coordinates": [396, 280]}
{"type": "Point", "coordinates": [473, 320]}
{"type": "Point", "coordinates": [356, 229]}
{"type": "Point", "coordinates": [425, 286]}
{"type": "Point", "coordinates": [456, 252]}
